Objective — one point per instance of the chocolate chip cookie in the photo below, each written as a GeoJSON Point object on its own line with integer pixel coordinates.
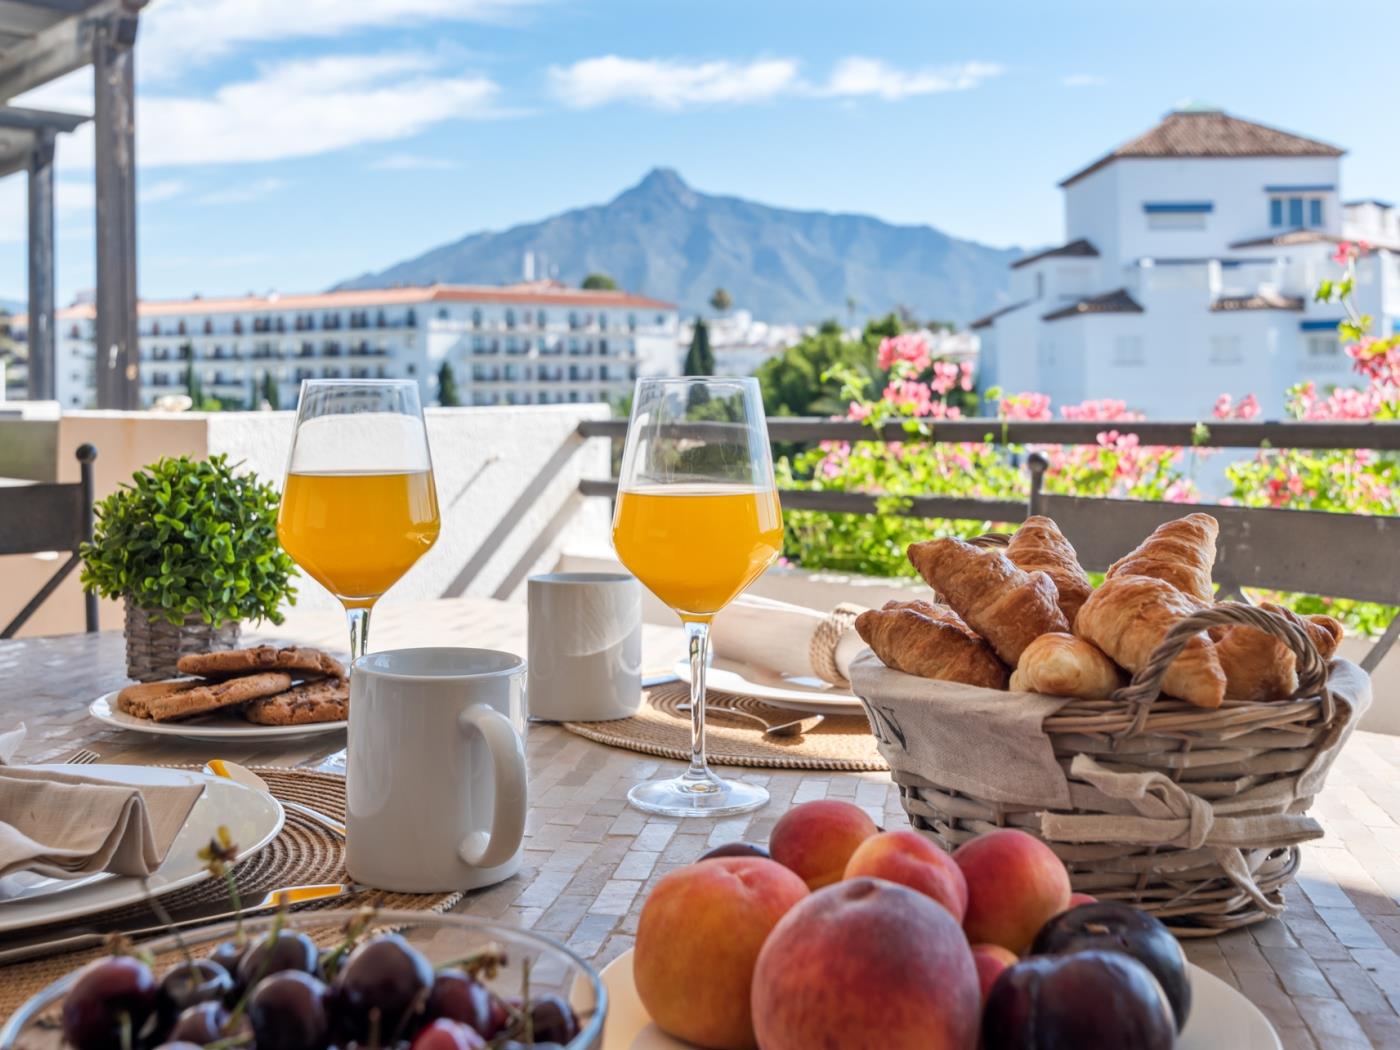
{"type": "Point", "coordinates": [184, 699]}
{"type": "Point", "coordinates": [301, 661]}
{"type": "Point", "coordinates": [327, 700]}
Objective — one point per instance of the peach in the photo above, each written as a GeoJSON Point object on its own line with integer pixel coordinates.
{"type": "Point", "coordinates": [1076, 899]}
{"type": "Point", "coordinates": [906, 857]}
{"type": "Point", "coordinates": [698, 938]}
{"type": "Point", "coordinates": [990, 960]}
{"type": "Point", "coordinates": [816, 839]}
{"type": "Point", "coordinates": [1015, 884]}
{"type": "Point", "coordinates": [866, 964]}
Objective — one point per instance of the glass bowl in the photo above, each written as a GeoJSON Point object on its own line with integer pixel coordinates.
{"type": "Point", "coordinates": [441, 938]}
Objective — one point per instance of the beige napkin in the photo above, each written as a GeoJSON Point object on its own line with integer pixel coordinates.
{"type": "Point", "coordinates": [63, 826]}
{"type": "Point", "coordinates": [766, 633]}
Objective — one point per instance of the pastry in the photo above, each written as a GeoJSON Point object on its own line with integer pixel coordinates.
{"type": "Point", "coordinates": [325, 700]}
{"type": "Point", "coordinates": [301, 661]}
{"type": "Point", "coordinates": [1181, 552]}
{"type": "Point", "coordinates": [1040, 545]}
{"type": "Point", "coordinates": [1007, 606]}
{"type": "Point", "coordinates": [135, 700]}
{"type": "Point", "coordinates": [1129, 615]}
{"type": "Point", "coordinates": [1062, 665]}
{"type": "Point", "coordinates": [930, 641]}
{"type": "Point", "coordinates": [203, 697]}
{"type": "Point", "coordinates": [1259, 666]}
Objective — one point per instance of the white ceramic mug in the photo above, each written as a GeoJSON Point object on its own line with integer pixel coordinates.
{"type": "Point", "coordinates": [435, 777]}
{"type": "Point", "coordinates": [585, 646]}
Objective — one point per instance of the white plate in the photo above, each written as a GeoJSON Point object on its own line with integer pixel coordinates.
{"type": "Point", "coordinates": [1220, 1016]}
{"type": "Point", "coordinates": [780, 690]}
{"type": "Point", "coordinates": [221, 727]}
{"type": "Point", "coordinates": [252, 818]}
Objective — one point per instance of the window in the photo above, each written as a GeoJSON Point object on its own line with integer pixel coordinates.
{"type": "Point", "coordinates": [476, 318]}
{"type": "Point", "coordinates": [1296, 210]}
{"type": "Point", "coordinates": [442, 313]}
{"type": "Point", "coordinates": [1225, 350]}
{"type": "Point", "coordinates": [1176, 220]}
{"type": "Point", "coordinates": [1315, 212]}
{"type": "Point", "coordinates": [1323, 350]}
{"type": "Point", "coordinates": [1276, 211]}
{"type": "Point", "coordinates": [510, 318]}
{"type": "Point", "coordinates": [1040, 286]}
{"type": "Point", "coordinates": [1127, 351]}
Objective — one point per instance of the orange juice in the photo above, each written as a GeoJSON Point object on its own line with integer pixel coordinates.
{"type": "Point", "coordinates": [697, 547]}
{"type": "Point", "coordinates": [356, 534]}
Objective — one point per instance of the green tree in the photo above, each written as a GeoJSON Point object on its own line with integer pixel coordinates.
{"type": "Point", "coordinates": [271, 393]}
{"type": "Point", "coordinates": [700, 359]}
{"type": "Point", "coordinates": [721, 301]}
{"type": "Point", "coordinates": [599, 282]}
{"type": "Point", "coordinates": [194, 387]}
{"type": "Point", "coordinates": [448, 397]}
{"type": "Point", "coordinates": [800, 380]}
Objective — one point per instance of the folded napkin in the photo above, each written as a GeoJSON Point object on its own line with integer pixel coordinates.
{"type": "Point", "coordinates": [789, 639]}
{"type": "Point", "coordinates": [63, 826]}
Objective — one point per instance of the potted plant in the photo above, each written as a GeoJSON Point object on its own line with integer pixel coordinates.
{"type": "Point", "coordinates": [191, 548]}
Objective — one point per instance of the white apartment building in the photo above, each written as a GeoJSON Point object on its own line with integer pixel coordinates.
{"type": "Point", "coordinates": [538, 342]}
{"type": "Point", "coordinates": [1190, 259]}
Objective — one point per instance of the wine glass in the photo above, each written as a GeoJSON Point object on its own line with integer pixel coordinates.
{"type": "Point", "coordinates": [359, 507]}
{"type": "Point", "coordinates": [697, 520]}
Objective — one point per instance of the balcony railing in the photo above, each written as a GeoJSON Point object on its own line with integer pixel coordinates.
{"type": "Point", "coordinates": [1312, 552]}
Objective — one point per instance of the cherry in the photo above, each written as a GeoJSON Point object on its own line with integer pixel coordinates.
{"type": "Point", "coordinates": [202, 980]}
{"type": "Point", "coordinates": [182, 1045]}
{"type": "Point", "coordinates": [108, 995]}
{"type": "Point", "coordinates": [288, 1012]}
{"type": "Point", "coordinates": [206, 1022]}
{"type": "Point", "coordinates": [551, 1019]}
{"type": "Point", "coordinates": [284, 950]}
{"type": "Point", "coordinates": [385, 978]}
{"type": "Point", "coordinates": [228, 954]}
{"type": "Point", "coordinates": [736, 849]}
{"type": "Point", "coordinates": [458, 996]}
{"type": "Point", "coordinates": [445, 1034]}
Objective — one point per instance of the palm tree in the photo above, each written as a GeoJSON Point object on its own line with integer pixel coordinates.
{"type": "Point", "coordinates": [721, 301]}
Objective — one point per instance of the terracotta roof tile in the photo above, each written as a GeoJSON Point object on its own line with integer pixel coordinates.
{"type": "Point", "coordinates": [1115, 302]}
{"type": "Point", "coordinates": [1080, 248]}
{"type": "Point", "coordinates": [984, 322]}
{"type": "Point", "coordinates": [1212, 133]}
{"type": "Point", "coordinates": [1261, 300]}
{"type": "Point", "coordinates": [1303, 236]}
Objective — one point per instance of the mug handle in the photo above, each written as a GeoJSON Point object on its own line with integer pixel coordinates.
{"type": "Point", "coordinates": [492, 849]}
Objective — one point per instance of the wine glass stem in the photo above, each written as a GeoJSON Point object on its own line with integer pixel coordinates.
{"type": "Point", "coordinates": [697, 635]}
{"type": "Point", "coordinates": [359, 632]}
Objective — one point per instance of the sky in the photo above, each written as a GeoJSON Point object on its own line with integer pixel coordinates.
{"type": "Point", "coordinates": [288, 144]}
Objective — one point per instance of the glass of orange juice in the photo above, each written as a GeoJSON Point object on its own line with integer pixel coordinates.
{"type": "Point", "coordinates": [697, 520]}
{"type": "Point", "coordinates": [359, 507]}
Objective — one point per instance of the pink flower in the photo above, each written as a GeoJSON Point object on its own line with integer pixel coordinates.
{"type": "Point", "coordinates": [1027, 406]}
{"type": "Point", "coordinates": [1179, 491]}
{"type": "Point", "coordinates": [1344, 253]}
{"type": "Point", "coordinates": [858, 411]}
{"type": "Point", "coordinates": [1363, 247]}
{"type": "Point", "coordinates": [966, 369]}
{"type": "Point", "coordinates": [945, 376]}
{"type": "Point", "coordinates": [909, 349]}
{"type": "Point", "coordinates": [1247, 408]}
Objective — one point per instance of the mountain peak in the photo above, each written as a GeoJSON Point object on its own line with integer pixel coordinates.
{"type": "Point", "coordinates": [666, 184]}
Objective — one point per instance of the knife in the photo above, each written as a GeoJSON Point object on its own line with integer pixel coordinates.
{"type": "Point", "coordinates": [43, 946]}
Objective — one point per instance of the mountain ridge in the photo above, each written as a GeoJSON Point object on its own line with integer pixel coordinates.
{"type": "Point", "coordinates": [665, 239]}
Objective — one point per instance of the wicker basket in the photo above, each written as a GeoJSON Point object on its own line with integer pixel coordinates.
{"type": "Point", "coordinates": [1249, 767]}
{"type": "Point", "coordinates": [154, 644]}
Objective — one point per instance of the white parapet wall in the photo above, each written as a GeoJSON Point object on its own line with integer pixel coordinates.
{"type": "Point", "coordinates": [507, 482]}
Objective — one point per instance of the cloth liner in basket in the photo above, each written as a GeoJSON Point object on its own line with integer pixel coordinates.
{"type": "Point", "coordinates": [1193, 815]}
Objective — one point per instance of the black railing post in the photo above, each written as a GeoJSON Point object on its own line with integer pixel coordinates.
{"type": "Point", "coordinates": [1037, 464]}
{"type": "Point", "coordinates": [86, 454]}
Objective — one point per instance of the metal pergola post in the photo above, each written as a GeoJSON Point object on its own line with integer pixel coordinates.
{"type": "Point", "coordinates": [41, 268]}
{"type": "Point", "coordinates": [117, 350]}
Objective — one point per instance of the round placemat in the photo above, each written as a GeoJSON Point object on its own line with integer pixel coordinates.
{"type": "Point", "coordinates": [302, 854]}
{"type": "Point", "coordinates": [841, 742]}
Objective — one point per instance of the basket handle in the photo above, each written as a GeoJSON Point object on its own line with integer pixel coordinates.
{"type": "Point", "coordinates": [1146, 685]}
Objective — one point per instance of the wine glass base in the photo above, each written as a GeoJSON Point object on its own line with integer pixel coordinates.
{"type": "Point", "coordinates": [697, 796]}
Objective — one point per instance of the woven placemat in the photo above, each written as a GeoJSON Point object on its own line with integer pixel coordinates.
{"type": "Point", "coordinates": [303, 853]}
{"type": "Point", "coordinates": [842, 742]}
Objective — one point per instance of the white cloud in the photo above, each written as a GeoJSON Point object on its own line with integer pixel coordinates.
{"type": "Point", "coordinates": [244, 193]}
{"type": "Point", "coordinates": [162, 190]}
{"type": "Point", "coordinates": [306, 107]}
{"type": "Point", "coordinates": [412, 162]}
{"type": "Point", "coordinates": [178, 34]}
{"type": "Point", "coordinates": [1083, 80]}
{"type": "Point", "coordinates": [73, 208]}
{"type": "Point", "coordinates": [857, 76]}
{"type": "Point", "coordinates": [668, 84]}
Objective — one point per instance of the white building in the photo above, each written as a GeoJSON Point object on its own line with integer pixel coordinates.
{"type": "Point", "coordinates": [741, 344]}
{"type": "Point", "coordinates": [1191, 256]}
{"type": "Point", "coordinates": [531, 343]}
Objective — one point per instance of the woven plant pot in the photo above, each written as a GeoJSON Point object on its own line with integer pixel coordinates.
{"type": "Point", "coordinates": [1211, 841]}
{"type": "Point", "coordinates": [154, 644]}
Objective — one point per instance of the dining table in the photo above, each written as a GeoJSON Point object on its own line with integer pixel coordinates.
{"type": "Point", "coordinates": [1326, 974]}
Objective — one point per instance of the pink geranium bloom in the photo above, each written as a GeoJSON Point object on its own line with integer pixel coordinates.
{"type": "Point", "coordinates": [858, 411]}
{"type": "Point", "coordinates": [1343, 254]}
{"type": "Point", "coordinates": [908, 349]}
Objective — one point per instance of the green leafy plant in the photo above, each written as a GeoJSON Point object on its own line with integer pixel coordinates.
{"type": "Point", "coordinates": [189, 537]}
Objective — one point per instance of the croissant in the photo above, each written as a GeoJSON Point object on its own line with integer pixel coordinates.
{"type": "Point", "coordinates": [1007, 606]}
{"type": "Point", "coordinates": [1062, 665]}
{"type": "Point", "coordinates": [930, 641]}
{"type": "Point", "coordinates": [1180, 552]}
{"type": "Point", "coordinates": [1259, 666]}
{"type": "Point", "coordinates": [1129, 615]}
{"type": "Point", "coordinates": [1040, 545]}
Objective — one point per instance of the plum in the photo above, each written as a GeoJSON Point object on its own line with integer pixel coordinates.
{"type": "Point", "coordinates": [1120, 927]}
{"type": "Point", "coordinates": [1088, 1000]}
